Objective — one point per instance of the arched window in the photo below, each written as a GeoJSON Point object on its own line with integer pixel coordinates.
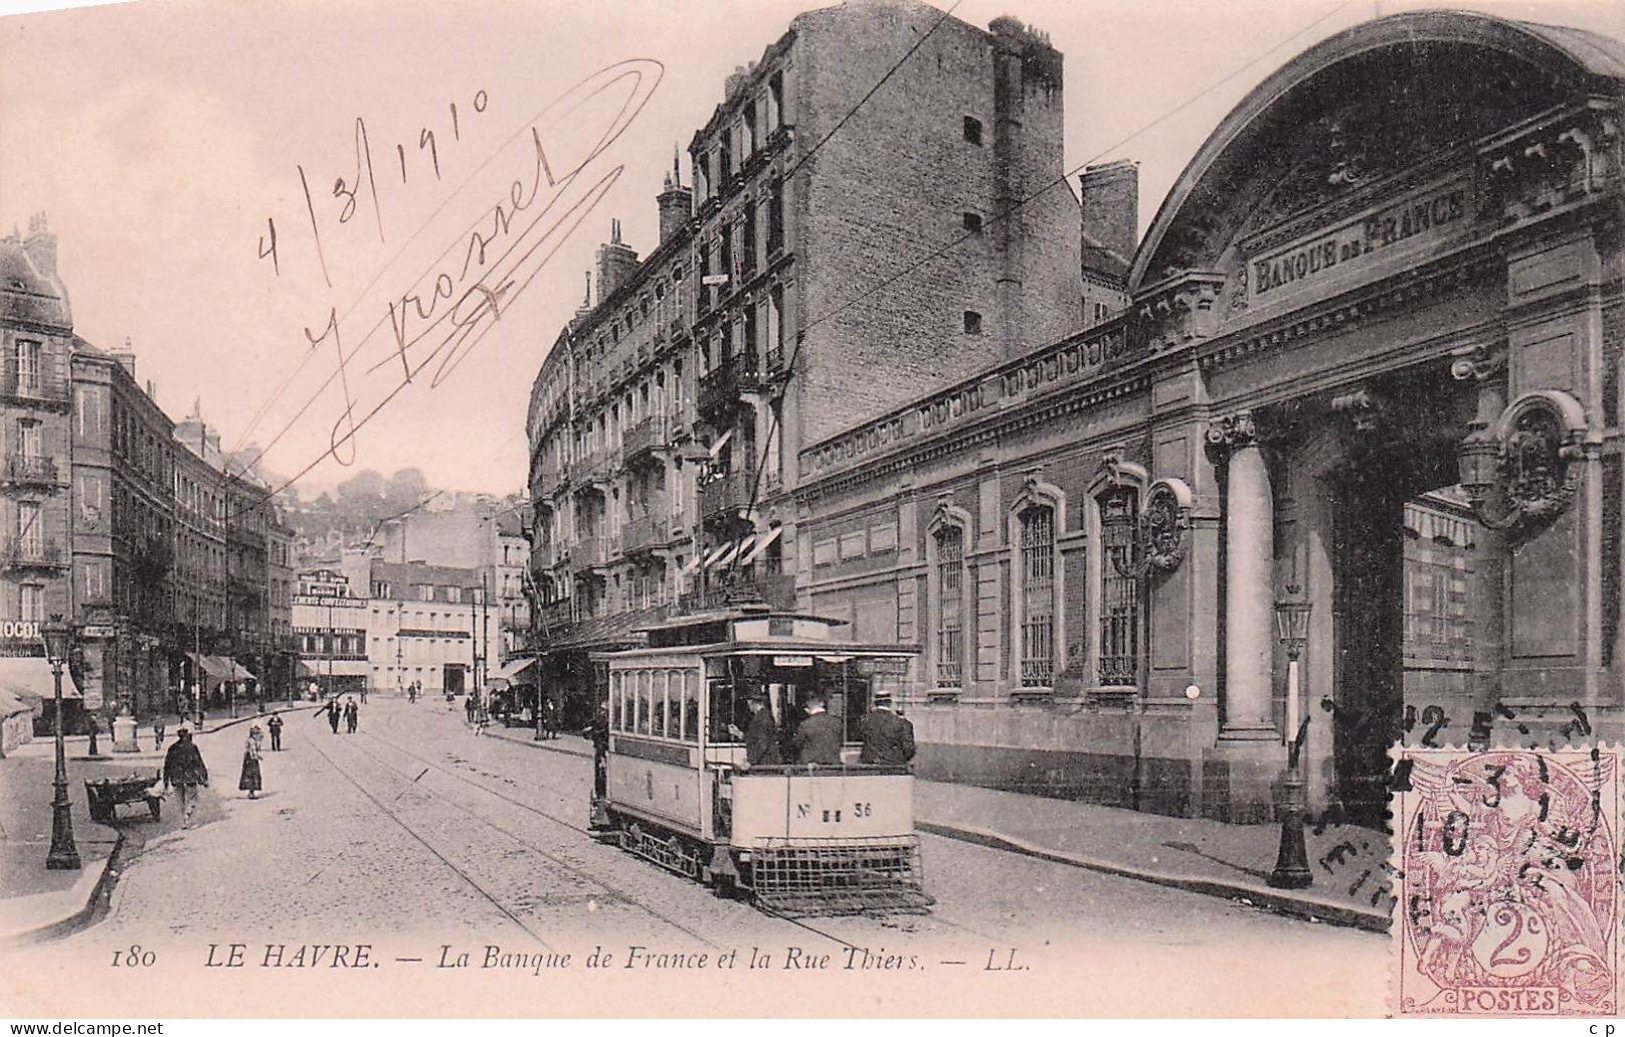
{"type": "Point", "coordinates": [950, 587]}
{"type": "Point", "coordinates": [1037, 525]}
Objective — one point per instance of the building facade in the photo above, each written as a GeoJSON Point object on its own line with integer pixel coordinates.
{"type": "Point", "coordinates": [36, 524]}
{"type": "Point", "coordinates": [665, 423]}
{"type": "Point", "coordinates": [1371, 366]}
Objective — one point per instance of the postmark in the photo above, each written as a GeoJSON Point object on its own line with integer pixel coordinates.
{"type": "Point", "coordinates": [1507, 873]}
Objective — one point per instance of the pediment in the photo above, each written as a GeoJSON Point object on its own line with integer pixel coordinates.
{"type": "Point", "coordinates": [1367, 115]}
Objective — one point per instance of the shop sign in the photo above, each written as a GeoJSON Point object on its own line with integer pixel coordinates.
{"type": "Point", "coordinates": [19, 630]}
{"type": "Point", "coordinates": [1422, 217]}
{"type": "Point", "coordinates": [96, 632]}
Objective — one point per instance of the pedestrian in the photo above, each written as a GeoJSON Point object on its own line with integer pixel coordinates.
{"type": "Point", "coordinates": [599, 733]}
{"type": "Point", "coordinates": [888, 738]}
{"type": "Point", "coordinates": [184, 771]}
{"type": "Point", "coordinates": [250, 780]}
{"type": "Point", "coordinates": [158, 733]}
{"type": "Point", "coordinates": [363, 694]}
{"type": "Point", "coordinates": [468, 707]}
{"type": "Point", "coordinates": [331, 708]}
{"type": "Point", "coordinates": [818, 738]}
{"type": "Point", "coordinates": [352, 715]}
{"type": "Point", "coordinates": [274, 725]}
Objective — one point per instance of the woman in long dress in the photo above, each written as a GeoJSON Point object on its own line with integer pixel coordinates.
{"type": "Point", "coordinates": [250, 781]}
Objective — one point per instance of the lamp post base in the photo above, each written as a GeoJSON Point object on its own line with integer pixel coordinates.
{"type": "Point", "coordinates": [64, 855]}
{"type": "Point", "coordinates": [1292, 861]}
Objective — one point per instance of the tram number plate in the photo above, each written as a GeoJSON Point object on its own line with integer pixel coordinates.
{"type": "Point", "coordinates": [833, 815]}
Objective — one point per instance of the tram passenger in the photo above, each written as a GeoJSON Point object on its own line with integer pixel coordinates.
{"type": "Point", "coordinates": [818, 738]}
{"type": "Point", "coordinates": [761, 735]}
{"type": "Point", "coordinates": [888, 738]}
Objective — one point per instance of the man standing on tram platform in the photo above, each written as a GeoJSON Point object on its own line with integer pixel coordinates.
{"type": "Point", "coordinates": [761, 735]}
{"type": "Point", "coordinates": [818, 739]}
{"type": "Point", "coordinates": [888, 738]}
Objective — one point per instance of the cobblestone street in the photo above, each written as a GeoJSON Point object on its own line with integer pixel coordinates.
{"type": "Point", "coordinates": [414, 834]}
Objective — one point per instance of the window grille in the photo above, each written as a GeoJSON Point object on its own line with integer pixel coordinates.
{"type": "Point", "coordinates": [1119, 599]}
{"type": "Point", "coordinates": [1038, 596]}
{"type": "Point", "coordinates": [950, 607]}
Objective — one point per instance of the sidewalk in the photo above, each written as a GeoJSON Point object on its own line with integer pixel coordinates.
{"type": "Point", "coordinates": [1351, 884]}
{"type": "Point", "coordinates": [36, 902]}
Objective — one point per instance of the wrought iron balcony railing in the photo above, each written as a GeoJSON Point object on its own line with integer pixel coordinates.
{"type": "Point", "coordinates": [23, 470]}
{"type": "Point", "coordinates": [31, 553]}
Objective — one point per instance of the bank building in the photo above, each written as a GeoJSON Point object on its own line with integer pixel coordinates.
{"type": "Point", "coordinates": [1365, 375]}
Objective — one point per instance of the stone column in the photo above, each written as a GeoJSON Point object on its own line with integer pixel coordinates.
{"type": "Point", "coordinates": [1249, 626]}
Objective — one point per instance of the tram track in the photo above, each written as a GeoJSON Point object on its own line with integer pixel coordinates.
{"type": "Point", "coordinates": [934, 919]}
{"type": "Point", "coordinates": [412, 782]}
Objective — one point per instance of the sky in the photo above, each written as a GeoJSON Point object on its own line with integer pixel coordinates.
{"type": "Point", "coordinates": [166, 140]}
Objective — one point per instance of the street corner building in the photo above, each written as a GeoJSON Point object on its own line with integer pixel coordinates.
{"type": "Point", "coordinates": [162, 550]}
{"type": "Point", "coordinates": [1364, 368]}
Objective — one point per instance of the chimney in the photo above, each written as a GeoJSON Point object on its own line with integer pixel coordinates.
{"type": "Point", "coordinates": [615, 263]}
{"type": "Point", "coordinates": [1111, 206]}
{"type": "Point", "coordinates": [126, 358]}
{"type": "Point", "coordinates": [40, 245]}
{"type": "Point", "coordinates": [676, 201]}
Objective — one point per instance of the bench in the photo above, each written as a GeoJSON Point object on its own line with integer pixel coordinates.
{"type": "Point", "coordinates": [105, 794]}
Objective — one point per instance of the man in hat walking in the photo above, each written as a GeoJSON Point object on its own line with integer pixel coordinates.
{"type": "Point", "coordinates": [184, 771]}
{"type": "Point", "coordinates": [818, 738]}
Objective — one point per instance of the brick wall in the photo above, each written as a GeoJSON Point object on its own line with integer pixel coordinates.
{"type": "Point", "coordinates": [893, 187]}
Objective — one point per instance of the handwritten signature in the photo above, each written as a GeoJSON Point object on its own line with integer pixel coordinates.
{"type": "Point", "coordinates": [422, 331]}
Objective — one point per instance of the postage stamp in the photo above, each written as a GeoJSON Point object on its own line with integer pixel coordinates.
{"type": "Point", "coordinates": [1507, 882]}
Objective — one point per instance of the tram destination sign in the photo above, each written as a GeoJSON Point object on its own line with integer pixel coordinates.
{"type": "Point", "coordinates": [1423, 217]}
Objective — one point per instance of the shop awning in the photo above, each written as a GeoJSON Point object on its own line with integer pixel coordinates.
{"type": "Point", "coordinates": [510, 670]}
{"type": "Point", "coordinates": [716, 553]}
{"type": "Point", "coordinates": [212, 665]}
{"type": "Point", "coordinates": [693, 565]}
{"type": "Point", "coordinates": [11, 705]}
{"type": "Point", "coordinates": [763, 542]}
{"type": "Point", "coordinates": [29, 677]}
{"type": "Point", "coordinates": [239, 672]}
{"type": "Point", "coordinates": [722, 441]}
{"type": "Point", "coordinates": [735, 549]}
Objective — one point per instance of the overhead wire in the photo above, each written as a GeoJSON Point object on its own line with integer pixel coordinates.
{"type": "Point", "coordinates": [1064, 178]}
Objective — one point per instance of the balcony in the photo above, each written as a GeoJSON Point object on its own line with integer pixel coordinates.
{"type": "Point", "coordinates": [31, 553]}
{"type": "Point", "coordinates": [725, 498]}
{"type": "Point", "coordinates": [778, 592]}
{"type": "Point", "coordinates": [555, 616]}
{"type": "Point", "coordinates": [33, 387]}
{"type": "Point", "coordinates": [30, 471]}
{"type": "Point", "coordinates": [590, 552]}
{"type": "Point", "coordinates": [646, 533]}
{"type": "Point", "coordinates": [591, 469]}
{"type": "Point", "coordinates": [646, 437]}
{"type": "Point", "coordinates": [720, 389]}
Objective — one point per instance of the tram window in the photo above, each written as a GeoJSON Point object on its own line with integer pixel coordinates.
{"type": "Point", "coordinates": [642, 707]}
{"type": "Point", "coordinates": [657, 686]}
{"type": "Point", "coordinates": [615, 704]}
{"type": "Point", "coordinates": [691, 706]}
{"type": "Point", "coordinates": [722, 711]}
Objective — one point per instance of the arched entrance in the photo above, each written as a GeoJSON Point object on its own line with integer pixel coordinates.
{"type": "Point", "coordinates": [1374, 521]}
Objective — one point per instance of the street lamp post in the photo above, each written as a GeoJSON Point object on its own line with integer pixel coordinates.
{"type": "Point", "coordinates": [1292, 861]}
{"type": "Point", "coordinates": [64, 855]}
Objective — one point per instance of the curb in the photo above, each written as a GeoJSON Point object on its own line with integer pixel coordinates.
{"type": "Point", "coordinates": [80, 913]}
{"type": "Point", "coordinates": [1273, 900]}
{"type": "Point", "coordinates": [533, 744]}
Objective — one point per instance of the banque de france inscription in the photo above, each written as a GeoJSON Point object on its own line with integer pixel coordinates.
{"type": "Point", "coordinates": [1430, 214]}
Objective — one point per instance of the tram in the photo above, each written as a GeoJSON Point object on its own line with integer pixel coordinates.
{"type": "Point", "coordinates": [799, 839]}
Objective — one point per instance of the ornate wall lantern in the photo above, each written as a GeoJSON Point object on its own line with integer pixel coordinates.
{"type": "Point", "coordinates": [1153, 540]}
{"type": "Point", "coordinates": [1522, 471]}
